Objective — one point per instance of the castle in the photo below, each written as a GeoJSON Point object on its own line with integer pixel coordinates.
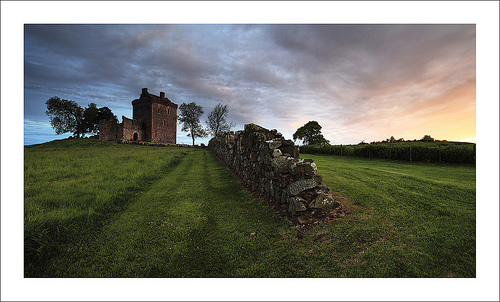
{"type": "Point", "coordinates": [154, 120]}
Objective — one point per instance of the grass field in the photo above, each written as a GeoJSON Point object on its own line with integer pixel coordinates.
{"type": "Point", "coordinates": [97, 209]}
{"type": "Point", "coordinates": [417, 220]}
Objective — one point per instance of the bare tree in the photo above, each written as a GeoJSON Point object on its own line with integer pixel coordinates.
{"type": "Point", "coordinates": [217, 120]}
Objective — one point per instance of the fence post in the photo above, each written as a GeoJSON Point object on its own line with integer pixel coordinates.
{"type": "Point", "coordinates": [410, 152]}
{"type": "Point", "coordinates": [439, 153]}
{"type": "Point", "coordinates": [340, 149]}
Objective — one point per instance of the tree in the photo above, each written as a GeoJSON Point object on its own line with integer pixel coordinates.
{"type": "Point", "coordinates": [92, 115]}
{"type": "Point", "coordinates": [310, 134]}
{"type": "Point", "coordinates": [217, 120]}
{"type": "Point", "coordinates": [65, 116]}
{"type": "Point", "coordinates": [68, 116]}
{"type": "Point", "coordinates": [427, 138]}
{"type": "Point", "coordinates": [104, 113]}
{"type": "Point", "coordinates": [90, 118]}
{"type": "Point", "coordinates": [190, 118]}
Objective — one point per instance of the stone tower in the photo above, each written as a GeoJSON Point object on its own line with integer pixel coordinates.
{"type": "Point", "coordinates": [157, 116]}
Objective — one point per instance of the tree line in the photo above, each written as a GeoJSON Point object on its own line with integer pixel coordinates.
{"type": "Point", "coordinates": [68, 117]}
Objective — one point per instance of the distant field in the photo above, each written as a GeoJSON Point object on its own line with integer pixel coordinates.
{"type": "Point", "coordinates": [437, 151]}
{"type": "Point", "coordinates": [96, 209]}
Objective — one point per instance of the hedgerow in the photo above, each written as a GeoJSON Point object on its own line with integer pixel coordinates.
{"type": "Point", "coordinates": [441, 152]}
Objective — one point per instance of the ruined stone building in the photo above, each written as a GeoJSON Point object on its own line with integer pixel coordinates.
{"type": "Point", "coordinates": [154, 120]}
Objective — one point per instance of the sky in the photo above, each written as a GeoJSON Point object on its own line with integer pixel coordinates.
{"type": "Point", "coordinates": [360, 82]}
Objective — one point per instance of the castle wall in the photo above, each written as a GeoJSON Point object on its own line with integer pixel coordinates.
{"type": "Point", "coordinates": [109, 130]}
{"type": "Point", "coordinates": [270, 165]}
{"type": "Point", "coordinates": [164, 126]}
{"type": "Point", "coordinates": [132, 130]}
{"type": "Point", "coordinates": [142, 114]}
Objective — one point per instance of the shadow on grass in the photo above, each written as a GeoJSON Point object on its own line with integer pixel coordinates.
{"type": "Point", "coordinates": [44, 241]}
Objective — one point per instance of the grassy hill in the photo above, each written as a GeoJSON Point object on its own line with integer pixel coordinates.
{"type": "Point", "coordinates": [95, 209]}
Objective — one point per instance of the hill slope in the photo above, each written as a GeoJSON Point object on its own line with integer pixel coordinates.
{"type": "Point", "coordinates": [107, 210]}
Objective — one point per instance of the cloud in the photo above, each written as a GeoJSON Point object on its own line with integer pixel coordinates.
{"type": "Point", "coordinates": [352, 78]}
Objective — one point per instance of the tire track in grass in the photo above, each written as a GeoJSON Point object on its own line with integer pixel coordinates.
{"type": "Point", "coordinates": [123, 247]}
{"type": "Point", "coordinates": [237, 230]}
{"type": "Point", "coordinates": [166, 232]}
{"type": "Point", "coordinates": [77, 230]}
{"type": "Point", "coordinates": [203, 257]}
{"type": "Point", "coordinates": [197, 221]}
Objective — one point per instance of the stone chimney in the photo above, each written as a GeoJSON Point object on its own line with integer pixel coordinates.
{"type": "Point", "coordinates": [162, 95]}
{"type": "Point", "coordinates": [144, 91]}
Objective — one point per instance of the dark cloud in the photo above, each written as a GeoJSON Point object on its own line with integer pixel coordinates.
{"type": "Point", "coordinates": [281, 75]}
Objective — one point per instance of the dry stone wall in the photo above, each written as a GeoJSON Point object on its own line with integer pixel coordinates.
{"type": "Point", "coordinates": [270, 165]}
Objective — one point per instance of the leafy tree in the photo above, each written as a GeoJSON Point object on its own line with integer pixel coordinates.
{"type": "Point", "coordinates": [92, 115]}
{"type": "Point", "coordinates": [310, 134]}
{"type": "Point", "coordinates": [427, 138]}
{"type": "Point", "coordinates": [68, 116]}
{"type": "Point", "coordinates": [90, 118]}
{"type": "Point", "coordinates": [190, 118]}
{"type": "Point", "coordinates": [217, 120]}
{"type": "Point", "coordinates": [104, 113]}
{"type": "Point", "coordinates": [65, 116]}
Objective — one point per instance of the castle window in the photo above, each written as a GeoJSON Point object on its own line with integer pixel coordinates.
{"type": "Point", "coordinates": [164, 122]}
{"type": "Point", "coordinates": [168, 111]}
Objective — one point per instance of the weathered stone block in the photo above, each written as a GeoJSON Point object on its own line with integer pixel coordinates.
{"type": "Point", "coordinates": [318, 178]}
{"type": "Point", "coordinates": [323, 201]}
{"type": "Point", "coordinates": [280, 164]}
{"type": "Point", "coordinates": [321, 189]}
{"type": "Point", "coordinates": [296, 204]}
{"type": "Point", "coordinates": [292, 150]}
{"type": "Point", "coordinates": [273, 144]}
{"type": "Point", "coordinates": [303, 168]}
{"type": "Point", "coordinates": [301, 185]}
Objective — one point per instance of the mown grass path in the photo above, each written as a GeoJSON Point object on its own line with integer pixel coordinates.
{"type": "Point", "coordinates": [196, 221]}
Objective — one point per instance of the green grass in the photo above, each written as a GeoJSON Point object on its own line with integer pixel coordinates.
{"type": "Point", "coordinates": [71, 187]}
{"type": "Point", "coordinates": [109, 210]}
{"type": "Point", "coordinates": [414, 219]}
